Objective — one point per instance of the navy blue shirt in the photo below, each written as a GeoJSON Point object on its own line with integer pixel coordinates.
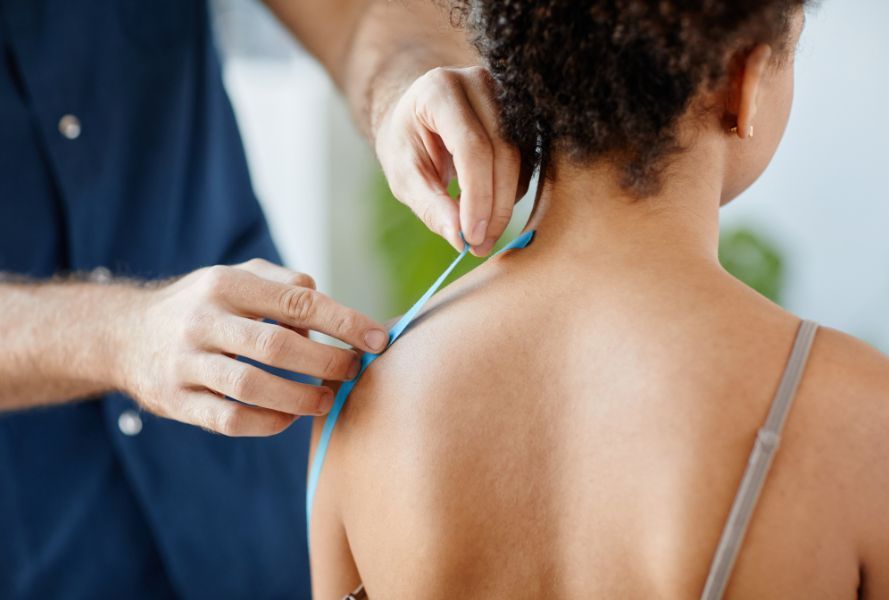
{"type": "Point", "coordinates": [119, 149]}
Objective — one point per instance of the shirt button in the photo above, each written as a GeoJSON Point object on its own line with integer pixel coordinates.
{"type": "Point", "coordinates": [129, 422]}
{"type": "Point", "coordinates": [69, 126]}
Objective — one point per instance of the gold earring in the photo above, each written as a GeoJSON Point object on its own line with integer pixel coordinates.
{"type": "Point", "coordinates": [749, 131]}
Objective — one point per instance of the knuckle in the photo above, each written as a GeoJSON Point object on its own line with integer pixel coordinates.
{"type": "Point", "coordinates": [299, 303]}
{"type": "Point", "coordinates": [501, 216]}
{"type": "Point", "coordinates": [333, 366]}
{"type": "Point", "coordinates": [302, 280]}
{"type": "Point", "coordinates": [229, 420]}
{"type": "Point", "coordinates": [270, 344]}
{"type": "Point", "coordinates": [256, 263]}
{"type": "Point", "coordinates": [217, 280]}
{"type": "Point", "coordinates": [195, 327]}
{"type": "Point", "coordinates": [479, 72]}
{"type": "Point", "coordinates": [479, 200]}
{"type": "Point", "coordinates": [310, 400]}
{"type": "Point", "coordinates": [330, 367]}
{"type": "Point", "coordinates": [440, 74]}
{"type": "Point", "coordinates": [440, 80]}
{"type": "Point", "coordinates": [239, 382]}
{"type": "Point", "coordinates": [346, 322]}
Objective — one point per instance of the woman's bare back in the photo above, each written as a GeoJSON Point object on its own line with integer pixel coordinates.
{"type": "Point", "coordinates": [560, 429]}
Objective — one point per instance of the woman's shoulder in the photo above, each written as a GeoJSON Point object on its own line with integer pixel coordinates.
{"type": "Point", "coordinates": [850, 380]}
{"type": "Point", "coordinates": [844, 407]}
{"type": "Point", "coordinates": [853, 360]}
{"type": "Point", "coordinates": [466, 352]}
{"type": "Point", "coordinates": [456, 344]}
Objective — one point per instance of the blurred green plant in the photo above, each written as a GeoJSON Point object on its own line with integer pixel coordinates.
{"type": "Point", "coordinates": [414, 257]}
{"type": "Point", "coordinates": [750, 257]}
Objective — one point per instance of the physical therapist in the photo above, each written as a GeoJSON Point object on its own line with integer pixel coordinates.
{"type": "Point", "coordinates": [123, 188]}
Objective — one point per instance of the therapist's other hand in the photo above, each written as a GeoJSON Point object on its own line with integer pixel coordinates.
{"type": "Point", "coordinates": [444, 125]}
{"type": "Point", "coordinates": [179, 360]}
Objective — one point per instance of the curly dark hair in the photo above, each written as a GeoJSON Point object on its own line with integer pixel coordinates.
{"type": "Point", "coordinates": [610, 78]}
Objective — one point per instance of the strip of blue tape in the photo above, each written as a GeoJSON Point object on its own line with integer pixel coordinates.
{"type": "Point", "coordinates": [366, 360]}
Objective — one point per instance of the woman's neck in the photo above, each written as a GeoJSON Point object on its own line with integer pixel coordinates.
{"type": "Point", "coordinates": [584, 211]}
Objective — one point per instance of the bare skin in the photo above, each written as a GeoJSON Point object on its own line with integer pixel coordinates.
{"type": "Point", "coordinates": [572, 420]}
{"type": "Point", "coordinates": [172, 346]}
{"type": "Point", "coordinates": [416, 90]}
{"type": "Point", "coordinates": [429, 112]}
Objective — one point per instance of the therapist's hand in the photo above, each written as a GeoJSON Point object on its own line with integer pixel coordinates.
{"type": "Point", "coordinates": [178, 360]}
{"type": "Point", "coordinates": [444, 125]}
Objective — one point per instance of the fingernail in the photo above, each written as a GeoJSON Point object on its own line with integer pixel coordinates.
{"type": "Point", "coordinates": [478, 232]}
{"type": "Point", "coordinates": [376, 339]}
{"type": "Point", "coordinates": [354, 368]}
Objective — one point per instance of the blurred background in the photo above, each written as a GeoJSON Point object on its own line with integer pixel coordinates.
{"type": "Point", "coordinates": [812, 234]}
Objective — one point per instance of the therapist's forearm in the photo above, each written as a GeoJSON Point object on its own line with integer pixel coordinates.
{"type": "Point", "coordinates": [58, 340]}
{"type": "Point", "coordinates": [173, 345]}
{"type": "Point", "coordinates": [374, 49]}
{"type": "Point", "coordinates": [425, 102]}
{"type": "Point", "coordinates": [396, 43]}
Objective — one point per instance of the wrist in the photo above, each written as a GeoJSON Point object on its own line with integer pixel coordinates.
{"type": "Point", "coordinates": [117, 339]}
{"type": "Point", "coordinates": [61, 340]}
{"type": "Point", "coordinates": [392, 79]}
{"type": "Point", "coordinates": [381, 100]}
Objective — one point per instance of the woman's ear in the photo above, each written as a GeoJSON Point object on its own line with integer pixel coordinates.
{"type": "Point", "coordinates": [746, 88]}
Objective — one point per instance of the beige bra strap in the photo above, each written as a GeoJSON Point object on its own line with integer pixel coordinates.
{"type": "Point", "coordinates": [758, 465]}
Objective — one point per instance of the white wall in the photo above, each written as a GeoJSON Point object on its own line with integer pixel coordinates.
{"type": "Point", "coordinates": [310, 167]}
{"type": "Point", "coordinates": [280, 95]}
{"type": "Point", "coordinates": [823, 202]}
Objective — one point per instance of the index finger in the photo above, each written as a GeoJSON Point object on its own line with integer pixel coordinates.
{"type": "Point", "coordinates": [454, 119]}
{"type": "Point", "coordinates": [506, 161]}
{"type": "Point", "coordinates": [303, 307]}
